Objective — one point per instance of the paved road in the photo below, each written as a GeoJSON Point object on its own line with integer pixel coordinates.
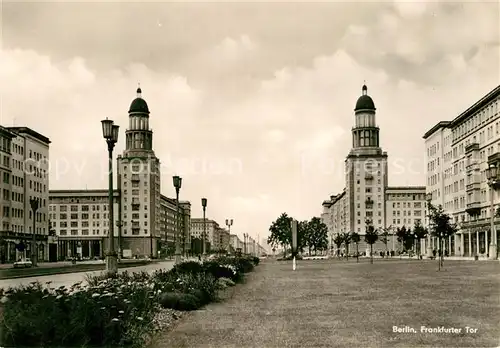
{"type": "Point", "coordinates": [69, 279]}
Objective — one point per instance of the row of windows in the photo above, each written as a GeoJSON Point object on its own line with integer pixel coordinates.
{"type": "Point", "coordinates": [5, 145]}
{"type": "Point", "coordinates": [476, 121]}
{"type": "Point", "coordinates": [407, 213]}
{"type": "Point", "coordinates": [82, 207]}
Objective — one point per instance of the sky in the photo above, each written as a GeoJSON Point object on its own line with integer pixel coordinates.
{"type": "Point", "coordinates": [252, 102]}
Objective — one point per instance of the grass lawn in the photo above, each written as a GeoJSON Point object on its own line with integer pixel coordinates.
{"type": "Point", "coordinates": [12, 273]}
{"type": "Point", "coordinates": [334, 303]}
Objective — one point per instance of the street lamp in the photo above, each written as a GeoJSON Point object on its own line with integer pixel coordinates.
{"type": "Point", "coordinates": [428, 198]}
{"type": "Point", "coordinates": [493, 182]}
{"type": "Point", "coordinates": [245, 238]}
{"type": "Point", "coordinates": [204, 206]}
{"type": "Point", "coordinates": [34, 251]}
{"type": "Point", "coordinates": [229, 223]}
{"type": "Point", "coordinates": [110, 134]}
{"type": "Point", "coordinates": [177, 184]}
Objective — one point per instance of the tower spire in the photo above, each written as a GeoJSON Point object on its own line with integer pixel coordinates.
{"type": "Point", "coordinates": [139, 90]}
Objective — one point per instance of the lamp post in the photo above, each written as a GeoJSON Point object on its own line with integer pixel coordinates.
{"type": "Point", "coordinates": [119, 224]}
{"type": "Point", "coordinates": [177, 184]}
{"type": "Point", "coordinates": [493, 182]}
{"type": "Point", "coordinates": [229, 223]}
{"type": "Point", "coordinates": [34, 251]}
{"type": "Point", "coordinates": [110, 134]}
{"type": "Point", "coordinates": [428, 198]}
{"type": "Point", "coordinates": [204, 206]}
{"type": "Point", "coordinates": [244, 243]}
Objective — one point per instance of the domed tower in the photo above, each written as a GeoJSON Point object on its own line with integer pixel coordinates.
{"type": "Point", "coordinates": [366, 170]}
{"type": "Point", "coordinates": [365, 132]}
{"type": "Point", "coordinates": [138, 136]}
{"type": "Point", "coordinates": [139, 185]}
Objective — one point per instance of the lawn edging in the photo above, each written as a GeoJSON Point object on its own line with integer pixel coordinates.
{"type": "Point", "coordinates": [132, 307]}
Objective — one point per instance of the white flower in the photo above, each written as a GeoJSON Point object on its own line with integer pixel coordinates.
{"type": "Point", "coordinates": [58, 297]}
{"type": "Point", "coordinates": [94, 295]}
{"type": "Point", "coordinates": [4, 299]}
{"type": "Point", "coordinates": [140, 318]}
{"type": "Point", "coordinates": [115, 319]}
{"type": "Point", "coordinates": [121, 312]}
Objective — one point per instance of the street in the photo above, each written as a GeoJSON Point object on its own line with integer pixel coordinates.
{"type": "Point", "coordinates": [69, 279]}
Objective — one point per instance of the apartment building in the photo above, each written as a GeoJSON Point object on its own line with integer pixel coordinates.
{"type": "Point", "coordinates": [169, 218]}
{"type": "Point", "coordinates": [236, 243]}
{"type": "Point", "coordinates": [364, 199]}
{"type": "Point", "coordinates": [80, 219]}
{"type": "Point", "coordinates": [221, 241]}
{"type": "Point", "coordinates": [25, 177]}
{"type": "Point", "coordinates": [469, 144]}
{"type": "Point", "coordinates": [405, 206]}
{"type": "Point", "coordinates": [211, 230]}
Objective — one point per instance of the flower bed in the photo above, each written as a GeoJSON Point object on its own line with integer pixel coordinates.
{"type": "Point", "coordinates": [122, 311]}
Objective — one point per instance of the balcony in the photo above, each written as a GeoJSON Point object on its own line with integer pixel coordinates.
{"type": "Point", "coordinates": [368, 176]}
{"type": "Point", "coordinates": [135, 177]}
{"type": "Point", "coordinates": [135, 204]}
{"type": "Point", "coordinates": [369, 204]}
{"type": "Point", "coordinates": [473, 209]}
{"type": "Point", "coordinates": [472, 166]}
{"type": "Point", "coordinates": [473, 186]}
{"type": "Point", "coordinates": [472, 147]}
{"type": "Point", "coordinates": [479, 223]}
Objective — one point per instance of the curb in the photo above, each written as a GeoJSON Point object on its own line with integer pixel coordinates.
{"type": "Point", "coordinates": [77, 270]}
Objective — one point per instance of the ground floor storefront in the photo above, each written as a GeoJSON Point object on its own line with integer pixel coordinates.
{"type": "Point", "coordinates": [19, 246]}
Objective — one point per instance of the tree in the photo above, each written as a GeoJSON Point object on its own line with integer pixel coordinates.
{"type": "Point", "coordinates": [305, 236]}
{"type": "Point", "coordinates": [318, 234]}
{"type": "Point", "coordinates": [440, 227]}
{"type": "Point", "coordinates": [384, 237]}
{"type": "Point", "coordinates": [281, 232]}
{"type": "Point", "coordinates": [346, 238]}
{"type": "Point", "coordinates": [409, 240]}
{"type": "Point", "coordinates": [371, 236]}
{"type": "Point", "coordinates": [402, 235]}
{"type": "Point", "coordinates": [338, 240]}
{"type": "Point", "coordinates": [355, 238]}
{"type": "Point", "coordinates": [420, 232]}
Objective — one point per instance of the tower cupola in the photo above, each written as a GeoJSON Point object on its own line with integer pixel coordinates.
{"type": "Point", "coordinates": [365, 102]}
{"type": "Point", "coordinates": [138, 136]}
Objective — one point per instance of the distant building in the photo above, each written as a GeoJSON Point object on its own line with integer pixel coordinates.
{"type": "Point", "coordinates": [211, 229]}
{"type": "Point", "coordinates": [235, 242]}
{"type": "Point", "coordinates": [24, 166]}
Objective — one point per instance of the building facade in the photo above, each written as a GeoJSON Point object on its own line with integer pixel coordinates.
{"type": "Point", "coordinates": [364, 199]}
{"type": "Point", "coordinates": [80, 219]}
{"type": "Point", "coordinates": [458, 152]}
{"type": "Point", "coordinates": [169, 226]}
{"type": "Point", "coordinates": [212, 230]}
{"type": "Point", "coordinates": [235, 243]}
{"type": "Point", "coordinates": [25, 177]}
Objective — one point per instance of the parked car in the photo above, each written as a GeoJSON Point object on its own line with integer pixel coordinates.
{"type": "Point", "coordinates": [23, 264]}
